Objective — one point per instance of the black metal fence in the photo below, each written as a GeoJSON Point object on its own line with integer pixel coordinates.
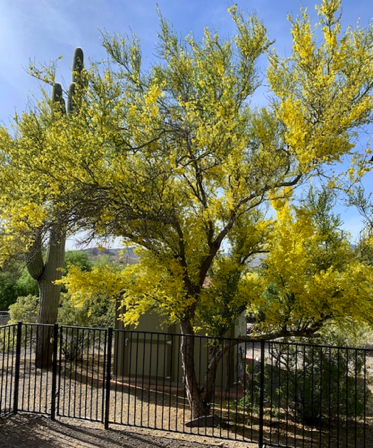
{"type": "Point", "coordinates": [271, 393]}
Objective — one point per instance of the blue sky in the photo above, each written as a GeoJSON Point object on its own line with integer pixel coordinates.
{"type": "Point", "coordinates": [43, 30]}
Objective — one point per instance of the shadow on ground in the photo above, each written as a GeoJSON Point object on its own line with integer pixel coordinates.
{"type": "Point", "coordinates": [36, 431]}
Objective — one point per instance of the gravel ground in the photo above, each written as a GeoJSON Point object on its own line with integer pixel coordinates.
{"type": "Point", "coordinates": [36, 431]}
{"type": "Point", "coordinates": [80, 395]}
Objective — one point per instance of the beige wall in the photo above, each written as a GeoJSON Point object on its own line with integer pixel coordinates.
{"type": "Point", "coordinates": [156, 357]}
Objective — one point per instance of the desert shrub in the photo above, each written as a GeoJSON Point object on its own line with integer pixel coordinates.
{"type": "Point", "coordinates": [311, 384]}
{"type": "Point", "coordinates": [25, 309]}
{"type": "Point", "coordinates": [99, 312]}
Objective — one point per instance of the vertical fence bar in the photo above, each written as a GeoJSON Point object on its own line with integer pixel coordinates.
{"type": "Point", "coordinates": [142, 380]}
{"type": "Point", "coordinates": [177, 341]}
{"type": "Point", "coordinates": [3, 331]}
{"type": "Point", "coordinates": [136, 373]}
{"type": "Point", "coordinates": [103, 404]}
{"type": "Point", "coordinates": [119, 367]}
{"type": "Point", "coordinates": [365, 396]}
{"type": "Point", "coordinates": [356, 399]}
{"type": "Point", "coordinates": [347, 392]}
{"type": "Point", "coordinates": [59, 377]}
{"type": "Point", "coordinates": [12, 370]}
{"type": "Point", "coordinates": [261, 399]}
{"type": "Point", "coordinates": [7, 369]}
{"type": "Point", "coordinates": [54, 372]}
{"type": "Point", "coordinates": [18, 364]}
{"type": "Point", "coordinates": [108, 374]}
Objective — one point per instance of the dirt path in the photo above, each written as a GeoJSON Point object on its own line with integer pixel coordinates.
{"type": "Point", "coordinates": [36, 431]}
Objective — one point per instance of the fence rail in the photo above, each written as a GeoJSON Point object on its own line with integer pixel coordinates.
{"type": "Point", "coordinates": [271, 393]}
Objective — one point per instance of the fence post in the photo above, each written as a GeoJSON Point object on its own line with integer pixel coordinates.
{"type": "Point", "coordinates": [54, 372]}
{"type": "Point", "coordinates": [18, 364]}
{"type": "Point", "coordinates": [108, 377]}
{"type": "Point", "coordinates": [261, 398]}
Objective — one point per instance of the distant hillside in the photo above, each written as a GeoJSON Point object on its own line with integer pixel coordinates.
{"type": "Point", "coordinates": [120, 256]}
{"type": "Point", "coordinates": [127, 256]}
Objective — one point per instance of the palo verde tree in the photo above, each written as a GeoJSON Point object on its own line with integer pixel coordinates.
{"type": "Point", "coordinates": [176, 161]}
{"type": "Point", "coordinates": [187, 164]}
{"type": "Point", "coordinates": [310, 276]}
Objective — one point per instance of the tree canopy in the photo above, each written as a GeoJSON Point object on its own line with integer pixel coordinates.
{"type": "Point", "coordinates": [311, 274]}
{"type": "Point", "coordinates": [175, 159]}
{"type": "Point", "coordinates": [185, 162]}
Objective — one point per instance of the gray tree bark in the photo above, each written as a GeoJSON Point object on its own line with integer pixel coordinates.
{"type": "Point", "coordinates": [200, 396]}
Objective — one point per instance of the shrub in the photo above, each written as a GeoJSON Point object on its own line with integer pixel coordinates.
{"type": "Point", "coordinates": [25, 309]}
{"type": "Point", "coordinates": [99, 312]}
{"type": "Point", "coordinates": [312, 384]}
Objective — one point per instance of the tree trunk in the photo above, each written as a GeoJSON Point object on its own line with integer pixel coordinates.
{"type": "Point", "coordinates": [199, 407]}
{"type": "Point", "coordinates": [215, 354]}
{"type": "Point", "coordinates": [46, 273]}
{"type": "Point", "coordinates": [200, 396]}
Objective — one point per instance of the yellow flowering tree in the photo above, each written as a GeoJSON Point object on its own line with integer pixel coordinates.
{"type": "Point", "coordinates": [176, 161]}
{"type": "Point", "coordinates": [188, 163]}
{"type": "Point", "coordinates": [311, 275]}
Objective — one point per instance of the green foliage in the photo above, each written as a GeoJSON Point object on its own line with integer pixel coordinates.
{"type": "Point", "coordinates": [312, 384]}
{"type": "Point", "coordinates": [25, 309]}
{"type": "Point", "coordinates": [98, 312]}
{"type": "Point", "coordinates": [15, 282]}
{"type": "Point", "coordinates": [26, 285]}
{"type": "Point", "coordinates": [316, 383]}
{"type": "Point", "coordinates": [77, 258]}
{"type": "Point", "coordinates": [7, 290]}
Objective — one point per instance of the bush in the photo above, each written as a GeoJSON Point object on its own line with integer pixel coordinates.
{"type": "Point", "coordinates": [315, 383]}
{"type": "Point", "coordinates": [312, 384]}
{"type": "Point", "coordinates": [25, 309]}
{"type": "Point", "coordinates": [26, 285]}
{"type": "Point", "coordinates": [99, 312]}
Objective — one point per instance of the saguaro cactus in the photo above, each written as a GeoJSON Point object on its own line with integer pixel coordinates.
{"type": "Point", "coordinates": [47, 271]}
